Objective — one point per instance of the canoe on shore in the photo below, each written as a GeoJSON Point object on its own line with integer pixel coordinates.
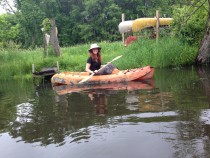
{"type": "Point", "coordinates": [73, 78]}
{"type": "Point", "coordinates": [143, 23]}
{"type": "Point", "coordinates": [105, 88]}
{"type": "Point", "coordinates": [125, 26]}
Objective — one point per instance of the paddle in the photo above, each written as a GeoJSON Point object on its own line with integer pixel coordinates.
{"type": "Point", "coordinates": [87, 78]}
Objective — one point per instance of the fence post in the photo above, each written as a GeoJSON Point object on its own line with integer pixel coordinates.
{"type": "Point", "coordinates": [33, 68]}
{"type": "Point", "coordinates": [157, 25]}
{"type": "Point", "coordinates": [58, 67]}
{"type": "Point", "coordinates": [123, 34]}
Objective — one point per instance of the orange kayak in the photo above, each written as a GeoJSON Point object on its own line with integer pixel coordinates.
{"type": "Point", "coordinates": [103, 88]}
{"type": "Point", "coordinates": [147, 75]}
{"type": "Point", "coordinates": [73, 78]}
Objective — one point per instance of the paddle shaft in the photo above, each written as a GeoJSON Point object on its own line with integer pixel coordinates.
{"type": "Point", "coordinates": [87, 78]}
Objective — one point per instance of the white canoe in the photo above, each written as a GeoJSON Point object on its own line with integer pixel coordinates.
{"type": "Point", "coordinates": [125, 26]}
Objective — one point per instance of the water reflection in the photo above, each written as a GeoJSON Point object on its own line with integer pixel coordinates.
{"type": "Point", "coordinates": [170, 112]}
{"type": "Point", "coordinates": [110, 88]}
{"type": "Point", "coordinates": [100, 102]}
{"type": "Point", "coordinates": [204, 74]}
{"type": "Point", "coordinates": [52, 116]}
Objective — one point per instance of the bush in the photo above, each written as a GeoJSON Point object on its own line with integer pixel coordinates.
{"type": "Point", "coordinates": [189, 28]}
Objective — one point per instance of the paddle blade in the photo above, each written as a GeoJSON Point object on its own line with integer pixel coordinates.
{"type": "Point", "coordinates": [116, 58]}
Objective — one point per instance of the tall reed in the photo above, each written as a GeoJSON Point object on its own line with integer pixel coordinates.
{"type": "Point", "coordinates": [167, 52]}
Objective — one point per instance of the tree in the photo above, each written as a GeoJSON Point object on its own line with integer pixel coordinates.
{"type": "Point", "coordinates": [80, 21]}
{"type": "Point", "coordinates": [189, 23]}
{"type": "Point", "coordinates": [193, 24]}
{"type": "Point", "coordinates": [99, 21]}
{"type": "Point", "coordinates": [31, 17]}
{"type": "Point", "coordinates": [51, 9]}
{"type": "Point", "coordinates": [9, 29]}
{"type": "Point", "coordinates": [204, 50]}
{"type": "Point", "coordinates": [30, 14]}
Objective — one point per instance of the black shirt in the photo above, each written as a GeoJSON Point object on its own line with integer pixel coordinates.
{"type": "Point", "coordinates": [93, 64]}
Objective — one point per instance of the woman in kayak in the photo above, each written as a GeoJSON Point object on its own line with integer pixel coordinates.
{"type": "Point", "coordinates": [94, 62]}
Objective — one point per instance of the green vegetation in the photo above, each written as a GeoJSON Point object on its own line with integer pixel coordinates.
{"type": "Point", "coordinates": [190, 29]}
{"type": "Point", "coordinates": [81, 23]}
{"type": "Point", "coordinates": [9, 31]}
{"type": "Point", "coordinates": [167, 52]}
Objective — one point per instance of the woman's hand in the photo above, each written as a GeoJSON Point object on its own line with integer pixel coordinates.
{"type": "Point", "coordinates": [91, 72]}
{"type": "Point", "coordinates": [95, 71]}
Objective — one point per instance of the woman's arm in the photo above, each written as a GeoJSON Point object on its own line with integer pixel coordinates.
{"type": "Point", "coordinates": [88, 68]}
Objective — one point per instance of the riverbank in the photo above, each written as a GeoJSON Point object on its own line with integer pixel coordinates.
{"type": "Point", "coordinates": [167, 52]}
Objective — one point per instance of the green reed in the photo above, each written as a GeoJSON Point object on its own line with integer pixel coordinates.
{"type": "Point", "coordinates": [166, 52]}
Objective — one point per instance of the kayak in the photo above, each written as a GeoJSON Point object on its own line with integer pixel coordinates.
{"type": "Point", "coordinates": [73, 78]}
{"type": "Point", "coordinates": [105, 88]}
{"type": "Point", "coordinates": [147, 76]}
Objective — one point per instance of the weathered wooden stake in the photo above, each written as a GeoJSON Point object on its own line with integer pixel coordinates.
{"type": "Point", "coordinates": [33, 68]}
{"type": "Point", "coordinates": [123, 34]}
{"type": "Point", "coordinates": [157, 25]}
{"type": "Point", "coordinates": [58, 67]}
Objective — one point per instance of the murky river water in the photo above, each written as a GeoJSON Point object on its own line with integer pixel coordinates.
{"type": "Point", "coordinates": [167, 117]}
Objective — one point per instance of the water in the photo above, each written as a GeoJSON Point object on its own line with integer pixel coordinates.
{"type": "Point", "coordinates": [167, 117]}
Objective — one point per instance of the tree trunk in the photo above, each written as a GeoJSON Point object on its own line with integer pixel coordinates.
{"type": "Point", "coordinates": [204, 51]}
{"type": "Point", "coordinates": [204, 76]}
{"type": "Point", "coordinates": [54, 38]}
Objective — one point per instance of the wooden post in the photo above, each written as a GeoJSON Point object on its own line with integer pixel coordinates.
{"type": "Point", "coordinates": [33, 68]}
{"type": "Point", "coordinates": [58, 67]}
{"type": "Point", "coordinates": [157, 24]}
{"type": "Point", "coordinates": [123, 34]}
{"type": "Point", "coordinates": [46, 39]}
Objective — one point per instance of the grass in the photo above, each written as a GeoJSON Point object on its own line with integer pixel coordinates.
{"type": "Point", "coordinates": [167, 52]}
